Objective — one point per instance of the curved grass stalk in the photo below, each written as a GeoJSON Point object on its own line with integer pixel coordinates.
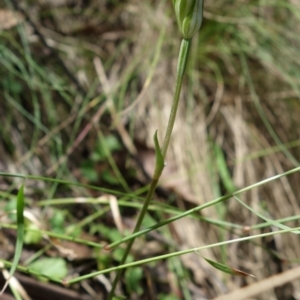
{"type": "Point", "coordinates": [178, 253]}
{"type": "Point", "coordinates": [72, 183]}
{"type": "Point", "coordinates": [201, 207]}
{"type": "Point", "coordinates": [144, 261]}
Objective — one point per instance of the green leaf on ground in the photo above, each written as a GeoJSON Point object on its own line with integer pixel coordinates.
{"type": "Point", "coordinates": [32, 237]}
{"type": "Point", "coordinates": [133, 277]}
{"type": "Point", "coordinates": [53, 267]}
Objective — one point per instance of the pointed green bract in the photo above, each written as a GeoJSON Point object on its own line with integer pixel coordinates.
{"type": "Point", "coordinates": [189, 14]}
{"type": "Point", "coordinates": [226, 269]}
{"type": "Point", "coordinates": [159, 165]}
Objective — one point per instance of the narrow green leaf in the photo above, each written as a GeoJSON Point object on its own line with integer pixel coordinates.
{"type": "Point", "coordinates": [20, 229]}
{"type": "Point", "coordinates": [223, 169]}
{"type": "Point", "coordinates": [20, 234]}
{"type": "Point", "coordinates": [159, 165]}
{"type": "Point", "coordinates": [227, 269]}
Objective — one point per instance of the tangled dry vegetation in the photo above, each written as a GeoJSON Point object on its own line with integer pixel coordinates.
{"type": "Point", "coordinates": [76, 71]}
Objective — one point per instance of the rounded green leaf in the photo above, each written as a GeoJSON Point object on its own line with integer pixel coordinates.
{"type": "Point", "coordinates": [53, 267]}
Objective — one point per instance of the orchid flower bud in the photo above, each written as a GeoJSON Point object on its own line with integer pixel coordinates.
{"type": "Point", "coordinates": [189, 16]}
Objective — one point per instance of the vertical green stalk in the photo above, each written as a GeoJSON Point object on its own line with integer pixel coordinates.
{"type": "Point", "coordinates": [182, 61]}
{"type": "Point", "coordinates": [189, 18]}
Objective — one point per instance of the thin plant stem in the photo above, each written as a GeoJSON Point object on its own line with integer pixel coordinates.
{"type": "Point", "coordinates": [175, 254]}
{"type": "Point", "coordinates": [182, 62]}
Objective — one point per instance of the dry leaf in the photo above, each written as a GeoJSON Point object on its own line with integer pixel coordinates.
{"type": "Point", "coordinates": [9, 19]}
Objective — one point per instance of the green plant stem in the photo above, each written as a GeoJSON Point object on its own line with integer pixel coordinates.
{"type": "Point", "coordinates": [172, 254]}
{"type": "Point", "coordinates": [203, 206]}
{"type": "Point", "coordinates": [130, 243]}
{"type": "Point", "coordinates": [182, 61]}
